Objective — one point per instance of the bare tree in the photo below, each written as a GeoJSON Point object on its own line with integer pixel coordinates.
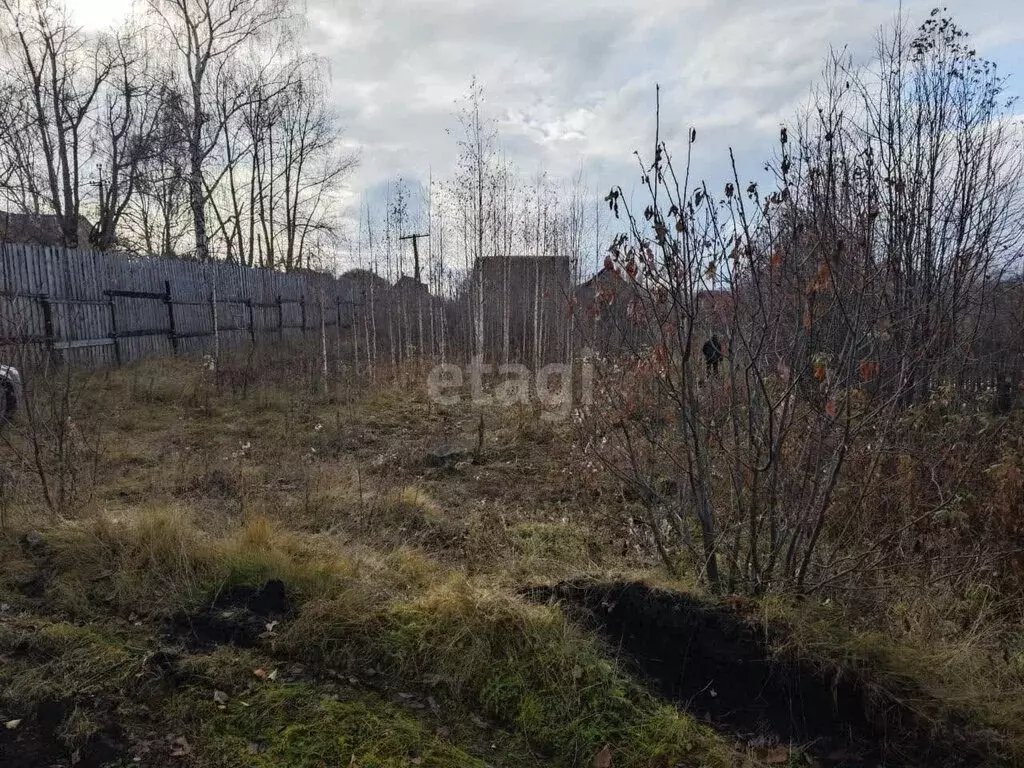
{"type": "Point", "coordinates": [58, 72]}
{"type": "Point", "coordinates": [128, 129]}
{"type": "Point", "coordinates": [205, 38]}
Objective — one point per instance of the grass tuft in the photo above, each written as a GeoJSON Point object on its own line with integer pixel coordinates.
{"type": "Point", "coordinates": [525, 665]}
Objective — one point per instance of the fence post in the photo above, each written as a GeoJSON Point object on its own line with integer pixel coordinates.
{"type": "Point", "coordinates": [252, 322]}
{"type": "Point", "coordinates": [302, 305]}
{"type": "Point", "coordinates": [171, 330]}
{"type": "Point", "coordinates": [213, 325]}
{"type": "Point", "coordinates": [113, 328]}
{"type": "Point", "coordinates": [47, 307]}
{"type": "Point", "coordinates": [280, 318]}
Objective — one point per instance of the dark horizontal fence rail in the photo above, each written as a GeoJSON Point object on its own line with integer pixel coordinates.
{"type": "Point", "coordinates": [93, 309]}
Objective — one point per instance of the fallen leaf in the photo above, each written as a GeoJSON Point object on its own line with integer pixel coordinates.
{"type": "Point", "coordinates": [12, 724]}
{"type": "Point", "coordinates": [260, 673]}
{"type": "Point", "coordinates": [272, 675]}
{"type": "Point", "coordinates": [220, 697]}
{"type": "Point", "coordinates": [603, 759]}
{"type": "Point", "coordinates": [417, 761]}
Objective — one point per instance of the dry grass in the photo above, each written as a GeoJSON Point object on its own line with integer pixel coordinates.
{"type": "Point", "coordinates": [974, 676]}
{"type": "Point", "coordinates": [400, 567]}
{"type": "Point", "coordinates": [418, 625]}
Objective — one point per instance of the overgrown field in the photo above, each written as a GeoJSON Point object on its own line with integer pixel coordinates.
{"type": "Point", "coordinates": [197, 571]}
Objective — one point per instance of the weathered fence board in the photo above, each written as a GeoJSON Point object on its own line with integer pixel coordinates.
{"type": "Point", "coordinates": [92, 308]}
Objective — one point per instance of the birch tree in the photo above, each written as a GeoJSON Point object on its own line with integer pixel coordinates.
{"type": "Point", "coordinates": [205, 38]}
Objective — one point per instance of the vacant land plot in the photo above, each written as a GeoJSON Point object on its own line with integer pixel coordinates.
{"type": "Point", "coordinates": [364, 578]}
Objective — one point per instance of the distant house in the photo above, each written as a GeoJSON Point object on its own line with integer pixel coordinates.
{"type": "Point", "coordinates": [522, 273]}
{"type": "Point", "coordinates": [716, 308]}
{"type": "Point", "coordinates": [407, 287]}
{"type": "Point", "coordinates": [40, 229]}
{"type": "Point", "coordinates": [526, 301]}
{"type": "Point", "coordinates": [365, 284]}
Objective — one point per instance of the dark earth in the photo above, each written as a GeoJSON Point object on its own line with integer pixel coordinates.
{"type": "Point", "coordinates": [718, 666]}
{"type": "Point", "coordinates": [235, 616]}
{"type": "Point", "coordinates": [36, 743]}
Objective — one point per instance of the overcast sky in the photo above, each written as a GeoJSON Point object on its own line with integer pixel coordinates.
{"type": "Point", "coordinates": [571, 82]}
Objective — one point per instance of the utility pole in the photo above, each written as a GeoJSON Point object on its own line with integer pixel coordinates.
{"type": "Point", "coordinates": [415, 254]}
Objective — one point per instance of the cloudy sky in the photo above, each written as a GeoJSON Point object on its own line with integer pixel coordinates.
{"type": "Point", "coordinates": [570, 83]}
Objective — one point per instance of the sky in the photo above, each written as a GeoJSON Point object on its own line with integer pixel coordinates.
{"type": "Point", "coordinates": [570, 83]}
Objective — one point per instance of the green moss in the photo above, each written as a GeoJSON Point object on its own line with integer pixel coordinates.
{"type": "Point", "coordinates": [295, 726]}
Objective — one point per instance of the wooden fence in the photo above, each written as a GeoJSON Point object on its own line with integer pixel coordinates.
{"type": "Point", "coordinates": [90, 308]}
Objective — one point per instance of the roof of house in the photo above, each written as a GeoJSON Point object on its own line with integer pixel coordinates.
{"type": "Point", "coordinates": [558, 265]}
{"type": "Point", "coordinates": [39, 229]}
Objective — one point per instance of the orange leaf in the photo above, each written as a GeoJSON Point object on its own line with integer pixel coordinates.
{"type": "Point", "coordinates": [777, 259]}
{"type": "Point", "coordinates": [821, 280]}
{"type": "Point", "coordinates": [819, 371]}
{"type": "Point", "coordinates": [830, 408]}
{"type": "Point", "coordinates": [807, 319]}
{"type": "Point", "coordinates": [868, 369]}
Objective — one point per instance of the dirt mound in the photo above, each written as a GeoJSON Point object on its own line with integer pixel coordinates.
{"type": "Point", "coordinates": [36, 743]}
{"type": "Point", "coordinates": [240, 615]}
{"type": "Point", "coordinates": [719, 667]}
